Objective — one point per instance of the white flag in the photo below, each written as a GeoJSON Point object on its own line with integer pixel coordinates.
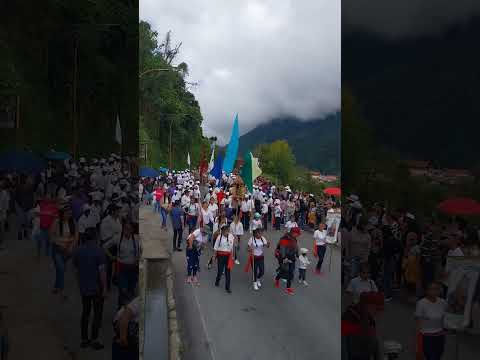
{"type": "Point", "coordinates": [188, 159]}
{"type": "Point", "coordinates": [118, 132]}
{"type": "Point", "coordinates": [211, 164]}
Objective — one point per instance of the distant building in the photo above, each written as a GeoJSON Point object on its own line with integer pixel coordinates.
{"type": "Point", "coordinates": [323, 178]}
{"type": "Point", "coordinates": [437, 175]}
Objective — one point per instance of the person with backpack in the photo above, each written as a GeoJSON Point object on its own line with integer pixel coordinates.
{"type": "Point", "coordinates": [286, 254]}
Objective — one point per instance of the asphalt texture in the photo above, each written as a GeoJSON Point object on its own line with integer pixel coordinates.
{"type": "Point", "coordinates": [254, 325]}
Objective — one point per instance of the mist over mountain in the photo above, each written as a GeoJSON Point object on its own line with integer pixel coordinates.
{"type": "Point", "coordinates": [315, 143]}
{"type": "Point", "coordinates": [419, 95]}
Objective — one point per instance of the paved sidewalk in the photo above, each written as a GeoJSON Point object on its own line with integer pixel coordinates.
{"type": "Point", "coordinates": [40, 326]}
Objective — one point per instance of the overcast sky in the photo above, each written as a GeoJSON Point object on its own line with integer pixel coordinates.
{"type": "Point", "coordinates": [262, 59]}
{"type": "Point", "coordinates": [407, 18]}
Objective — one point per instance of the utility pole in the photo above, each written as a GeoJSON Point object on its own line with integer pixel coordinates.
{"type": "Point", "coordinates": [75, 74]}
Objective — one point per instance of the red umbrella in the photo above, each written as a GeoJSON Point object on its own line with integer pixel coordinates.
{"type": "Point", "coordinates": [459, 206]}
{"type": "Point", "coordinates": [333, 191]}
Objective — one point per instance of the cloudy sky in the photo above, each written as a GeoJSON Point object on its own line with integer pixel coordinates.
{"type": "Point", "coordinates": [261, 59]}
{"type": "Point", "coordinates": [399, 19]}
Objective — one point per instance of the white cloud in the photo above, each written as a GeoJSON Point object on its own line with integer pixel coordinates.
{"type": "Point", "coordinates": [407, 18]}
{"type": "Point", "coordinates": [259, 58]}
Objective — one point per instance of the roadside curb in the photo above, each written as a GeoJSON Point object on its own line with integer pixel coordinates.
{"type": "Point", "coordinates": [155, 239]}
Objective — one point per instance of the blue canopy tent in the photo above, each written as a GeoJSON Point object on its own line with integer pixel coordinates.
{"type": "Point", "coordinates": [57, 155]}
{"type": "Point", "coordinates": [163, 170]}
{"type": "Point", "coordinates": [21, 161]}
{"type": "Point", "coordinates": [148, 172]}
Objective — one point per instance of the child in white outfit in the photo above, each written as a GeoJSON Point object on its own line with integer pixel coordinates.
{"type": "Point", "coordinates": [302, 268]}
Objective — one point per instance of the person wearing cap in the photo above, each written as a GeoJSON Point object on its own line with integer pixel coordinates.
{"type": "Point", "coordinates": [195, 243]}
{"type": "Point", "coordinates": [256, 222]}
{"type": "Point", "coordinates": [223, 251]}
{"type": "Point", "coordinates": [287, 253]}
{"type": "Point", "coordinates": [256, 245]}
{"type": "Point", "coordinates": [277, 214]}
{"type": "Point", "coordinates": [358, 329]}
{"type": "Point", "coordinates": [304, 262]}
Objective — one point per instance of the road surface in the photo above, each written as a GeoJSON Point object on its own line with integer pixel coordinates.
{"type": "Point", "coordinates": [248, 325]}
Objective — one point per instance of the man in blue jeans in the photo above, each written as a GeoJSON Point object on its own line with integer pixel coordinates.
{"type": "Point", "coordinates": [89, 260]}
{"type": "Point", "coordinates": [177, 222]}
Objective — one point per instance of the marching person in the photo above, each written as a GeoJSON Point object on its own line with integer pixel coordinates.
{"type": "Point", "coordinates": [195, 242]}
{"type": "Point", "coordinates": [256, 222]}
{"type": "Point", "coordinates": [236, 229]}
{"type": "Point", "coordinates": [302, 267]}
{"type": "Point", "coordinates": [223, 248]}
{"type": "Point", "coordinates": [286, 253]}
{"type": "Point", "coordinates": [320, 246]}
{"type": "Point", "coordinates": [256, 245]}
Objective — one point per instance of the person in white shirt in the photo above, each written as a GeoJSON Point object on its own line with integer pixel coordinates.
{"type": "Point", "coordinates": [303, 265]}
{"type": "Point", "coordinates": [291, 223]}
{"type": "Point", "coordinates": [256, 222]}
{"type": "Point", "coordinates": [236, 229]}
{"type": "Point", "coordinates": [223, 248]}
{"type": "Point", "coordinates": [195, 242]}
{"type": "Point", "coordinates": [246, 209]}
{"type": "Point", "coordinates": [361, 284]}
{"type": "Point", "coordinates": [264, 209]}
{"type": "Point", "coordinates": [207, 219]}
{"type": "Point", "coordinates": [277, 213]}
{"type": "Point", "coordinates": [85, 221]}
{"type": "Point", "coordinates": [213, 207]}
{"type": "Point", "coordinates": [128, 256]}
{"type": "Point", "coordinates": [430, 312]}
{"type": "Point", "coordinates": [256, 245]}
{"type": "Point", "coordinates": [320, 246]}
{"type": "Point", "coordinates": [110, 231]}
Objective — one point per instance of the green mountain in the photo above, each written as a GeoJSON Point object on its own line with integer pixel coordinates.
{"type": "Point", "coordinates": [418, 95]}
{"type": "Point", "coordinates": [315, 143]}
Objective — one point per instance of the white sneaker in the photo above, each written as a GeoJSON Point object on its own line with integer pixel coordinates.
{"type": "Point", "coordinates": [259, 284]}
{"type": "Point", "coordinates": [305, 283]}
{"type": "Point", "coordinates": [237, 262]}
{"type": "Point", "coordinates": [255, 286]}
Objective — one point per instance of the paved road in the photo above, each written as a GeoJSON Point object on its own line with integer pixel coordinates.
{"type": "Point", "coordinates": [248, 325]}
{"type": "Point", "coordinates": [40, 325]}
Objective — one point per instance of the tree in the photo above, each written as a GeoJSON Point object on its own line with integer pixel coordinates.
{"type": "Point", "coordinates": [277, 160]}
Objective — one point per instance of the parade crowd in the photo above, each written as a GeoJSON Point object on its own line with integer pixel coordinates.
{"type": "Point", "coordinates": [387, 254]}
{"type": "Point", "coordinates": [83, 216]}
{"type": "Point", "coordinates": [223, 216]}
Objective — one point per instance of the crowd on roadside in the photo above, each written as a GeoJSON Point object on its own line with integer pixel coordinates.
{"type": "Point", "coordinates": [389, 255]}
{"type": "Point", "coordinates": [82, 215]}
{"type": "Point", "coordinates": [223, 216]}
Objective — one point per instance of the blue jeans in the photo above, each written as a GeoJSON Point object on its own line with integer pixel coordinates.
{"type": "Point", "coordinates": [59, 262]}
{"type": "Point", "coordinates": [163, 212]}
{"type": "Point", "coordinates": [388, 270]}
{"type": "Point", "coordinates": [156, 207]}
{"type": "Point", "coordinates": [43, 241]}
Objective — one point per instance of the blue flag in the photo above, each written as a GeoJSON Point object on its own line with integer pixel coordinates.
{"type": "Point", "coordinates": [232, 149]}
{"type": "Point", "coordinates": [217, 168]}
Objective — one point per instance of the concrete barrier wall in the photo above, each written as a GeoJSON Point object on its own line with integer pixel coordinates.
{"type": "Point", "coordinates": [157, 292]}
